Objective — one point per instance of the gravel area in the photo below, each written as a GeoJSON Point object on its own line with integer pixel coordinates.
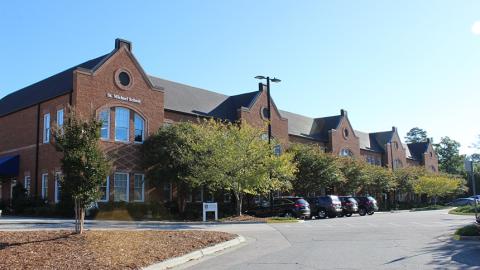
{"type": "Point", "coordinates": [99, 249]}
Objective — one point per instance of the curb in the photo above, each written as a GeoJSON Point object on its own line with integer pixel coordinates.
{"type": "Point", "coordinates": [195, 255]}
{"type": "Point", "coordinates": [468, 238]}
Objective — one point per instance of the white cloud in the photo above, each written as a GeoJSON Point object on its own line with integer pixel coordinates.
{"type": "Point", "coordinates": [476, 28]}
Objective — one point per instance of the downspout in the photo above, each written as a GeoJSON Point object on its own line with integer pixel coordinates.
{"type": "Point", "coordinates": [37, 150]}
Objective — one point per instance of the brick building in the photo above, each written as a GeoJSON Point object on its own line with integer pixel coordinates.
{"type": "Point", "coordinates": [133, 104]}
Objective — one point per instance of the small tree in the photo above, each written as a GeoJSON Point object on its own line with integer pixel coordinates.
{"type": "Point", "coordinates": [84, 165]}
{"type": "Point", "coordinates": [170, 156]}
{"type": "Point", "coordinates": [237, 159]}
{"type": "Point", "coordinates": [437, 185]}
{"type": "Point", "coordinates": [449, 158]}
{"type": "Point", "coordinates": [378, 179]}
{"type": "Point", "coordinates": [353, 173]}
{"type": "Point", "coordinates": [416, 135]}
{"type": "Point", "coordinates": [316, 169]}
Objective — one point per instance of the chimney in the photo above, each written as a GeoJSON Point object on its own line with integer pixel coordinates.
{"type": "Point", "coordinates": [262, 87]}
{"type": "Point", "coordinates": [344, 112]}
{"type": "Point", "coordinates": [122, 42]}
{"type": "Point", "coordinates": [394, 129]}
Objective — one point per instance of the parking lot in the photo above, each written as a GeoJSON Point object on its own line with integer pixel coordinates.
{"type": "Point", "coordinates": [402, 240]}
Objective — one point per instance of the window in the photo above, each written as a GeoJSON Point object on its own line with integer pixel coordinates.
{"type": "Point", "coordinates": [167, 192]}
{"type": "Point", "coordinates": [264, 136]}
{"type": "Point", "coordinates": [46, 128]}
{"type": "Point", "coordinates": [13, 183]}
{"type": "Point", "coordinates": [139, 188]}
{"type": "Point", "coordinates": [60, 118]}
{"type": "Point", "coordinates": [210, 197]}
{"type": "Point", "coordinates": [346, 153]}
{"type": "Point", "coordinates": [124, 78]}
{"type": "Point", "coordinates": [120, 187]}
{"type": "Point", "coordinates": [58, 186]}
{"type": "Point", "coordinates": [397, 163]}
{"type": "Point", "coordinates": [26, 184]}
{"type": "Point", "coordinates": [122, 120]}
{"type": "Point", "coordinates": [44, 186]}
{"type": "Point", "coordinates": [139, 128]}
{"type": "Point", "coordinates": [104, 190]}
{"type": "Point", "coordinates": [196, 195]}
{"type": "Point", "coordinates": [346, 133]}
{"type": "Point", "coordinates": [105, 118]}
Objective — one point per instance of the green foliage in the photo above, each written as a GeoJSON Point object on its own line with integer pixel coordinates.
{"type": "Point", "coordinates": [237, 159]}
{"type": "Point", "coordinates": [378, 180]}
{"type": "Point", "coordinates": [353, 172]}
{"type": "Point", "coordinates": [416, 135]}
{"type": "Point", "coordinates": [449, 158]}
{"type": "Point", "coordinates": [469, 230]}
{"type": "Point", "coordinates": [407, 176]}
{"type": "Point", "coordinates": [316, 169]}
{"type": "Point", "coordinates": [172, 155]}
{"type": "Point", "coordinates": [464, 210]}
{"type": "Point", "coordinates": [438, 185]}
{"type": "Point", "coordinates": [84, 165]}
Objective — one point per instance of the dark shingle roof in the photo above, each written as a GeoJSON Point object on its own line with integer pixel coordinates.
{"type": "Point", "coordinates": [367, 141]}
{"type": "Point", "coordinates": [54, 86]}
{"type": "Point", "coordinates": [312, 128]}
{"type": "Point", "coordinates": [380, 139]}
{"type": "Point", "coordinates": [418, 149]}
{"type": "Point", "coordinates": [192, 100]}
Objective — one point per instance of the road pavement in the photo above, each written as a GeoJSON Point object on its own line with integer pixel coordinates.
{"type": "Point", "coordinates": [405, 240]}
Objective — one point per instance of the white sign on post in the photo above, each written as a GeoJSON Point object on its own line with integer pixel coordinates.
{"type": "Point", "coordinates": [210, 207]}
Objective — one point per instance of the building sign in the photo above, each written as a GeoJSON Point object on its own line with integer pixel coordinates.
{"type": "Point", "coordinates": [123, 98]}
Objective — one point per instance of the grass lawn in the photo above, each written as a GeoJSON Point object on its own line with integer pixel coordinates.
{"type": "Point", "coordinates": [99, 249]}
{"type": "Point", "coordinates": [469, 230]}
{"type": "Point", "coordinates": [282, 220]}
{"type": "Point", "coordinates": [463, 210]}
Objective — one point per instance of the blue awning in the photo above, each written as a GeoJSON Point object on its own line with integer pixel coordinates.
{"type": "Point", "coordinates": [9, 165]}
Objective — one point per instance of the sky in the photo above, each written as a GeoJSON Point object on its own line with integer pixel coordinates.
{"type": "Point", "coordinates": [388, 63]}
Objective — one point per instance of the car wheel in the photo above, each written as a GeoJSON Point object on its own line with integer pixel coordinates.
{"type": "Point", "coordinates": [322, 213]}
{"type": "Point", "coordinates": [370, 213]}
{"type": "Point", "coordinates": [288, 215]}
{"type": "Point", "coordinates": [362, 212]}
{"type": "Point", "coordinates": [348, 215]}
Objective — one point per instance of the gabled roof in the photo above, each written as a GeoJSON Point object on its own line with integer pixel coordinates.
{"type": "Point", "coordinates": [381, 138]}
{"type": "Point", "coordinates": [54, 86]}
{"type": "Point", "coordinates": [311, 128]}
{"type": "Point", "coordinates": [418, 149]}
{"type": "Point", "coordinates": [192, 100]}
{"type": "Point", "coordinates": [368, 142]}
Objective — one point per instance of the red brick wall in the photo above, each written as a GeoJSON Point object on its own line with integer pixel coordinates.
{"type": "Point", "coordinates": [392, 152]}
{"type": "Point", "coordinates": [430, 159]}
{"type": "Point", "coordinates": [338, 141]}
{"type": "Point", "coordinates": [253, 117]}
{"type": "Point", "coordinates": [365, 153]}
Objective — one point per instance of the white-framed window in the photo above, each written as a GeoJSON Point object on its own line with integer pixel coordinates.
{"type": "Point", "coordinates": [105, 190]}
{"type": "Point", "coordinates": [46, 128]}
{"type": "Point", "coordinates": [139, 187]}
{"type": "Point", "coordinates": [58, 186]}
{"type": "Point", "coordinates": [27, 183]}
{"type": "Point", "coordinates": [122, 124]}
{"type": "Point", "coordinates": [227, 197]}
{"type": "Point", "coordinates": [120, 187]}
{"type": "Point", "coordinates": [346, 153]}
{"type": "Point", "coordinates": [60, 118]}
{"type": "Point", "coordinates": [13, 183]}
{"type": "Point", "coordinates": [139, 125]}
{"type": "Point", "coordinates": [104, 116]}
{"type": "Point", "coordinates": [167, 191]}
{"type": "Point", "coordinates": [45, 186]}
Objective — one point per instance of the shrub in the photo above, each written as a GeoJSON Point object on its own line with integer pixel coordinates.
{"type": "Point", "coordinates": [470, 230]}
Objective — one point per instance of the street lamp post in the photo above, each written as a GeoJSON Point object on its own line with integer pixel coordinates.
{"type": "Point", "coordinates": [275, 80]}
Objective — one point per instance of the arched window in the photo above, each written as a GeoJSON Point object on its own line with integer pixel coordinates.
{"type": "Point", "coordinates": [139, 124]}
{"type": "Point", "coordinates": [122, 121]}
{"type": "Point", "coordinates": [346, 153]}
{"type": "Point", "coordinates": [104, 116]}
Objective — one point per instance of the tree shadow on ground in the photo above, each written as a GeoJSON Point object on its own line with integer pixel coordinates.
{"type": "Point", "coordinates": [464, 254]}
{"type": "Point", "coordinates": [4, 245]}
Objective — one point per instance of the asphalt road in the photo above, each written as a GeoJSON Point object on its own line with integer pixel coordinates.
{"type": "Point", "coordinates": [405, 240]}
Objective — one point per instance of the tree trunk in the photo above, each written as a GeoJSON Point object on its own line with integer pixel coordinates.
{"type": "Point", "coordinates": [82, 219]}
{"type": "Point", "coordinates": [239, 198]}
{"type": "Point", "coordinates": [77, 215]}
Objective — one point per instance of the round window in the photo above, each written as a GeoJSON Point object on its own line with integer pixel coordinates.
{"type": "Point", "coordinates": [264, 112]}
{"type": "Point", "coordinates": [124, 78]}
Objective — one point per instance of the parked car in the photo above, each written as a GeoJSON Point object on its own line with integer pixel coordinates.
{"type": "Point", "coordinates": [475, 197]}
{"type": "Point", "coordinates": [462, 202]}
{"type": "Point", "coordinates": [284, 206]}
{"type": "Point", "coordinates": [324, 206]}
{"type": "Point", "coordinates": [366, 205]}
{"type": "Point", "coordinates": [349, 205]}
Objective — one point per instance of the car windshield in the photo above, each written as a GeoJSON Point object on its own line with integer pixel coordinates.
{"type": "Point", "coordinates": [352, 200]}
{"type": "Point", "coordinates": [372, 199]}
{"type": "Point", "coordinates": [302, 201]}
{"type": "Point", "coordinates": [335, 199]}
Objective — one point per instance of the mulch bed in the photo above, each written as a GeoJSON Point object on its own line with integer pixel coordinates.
{"type": "Point", "coordinates": [99, 249]}
{"type": "Point", "coordinates": [244, 218]}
